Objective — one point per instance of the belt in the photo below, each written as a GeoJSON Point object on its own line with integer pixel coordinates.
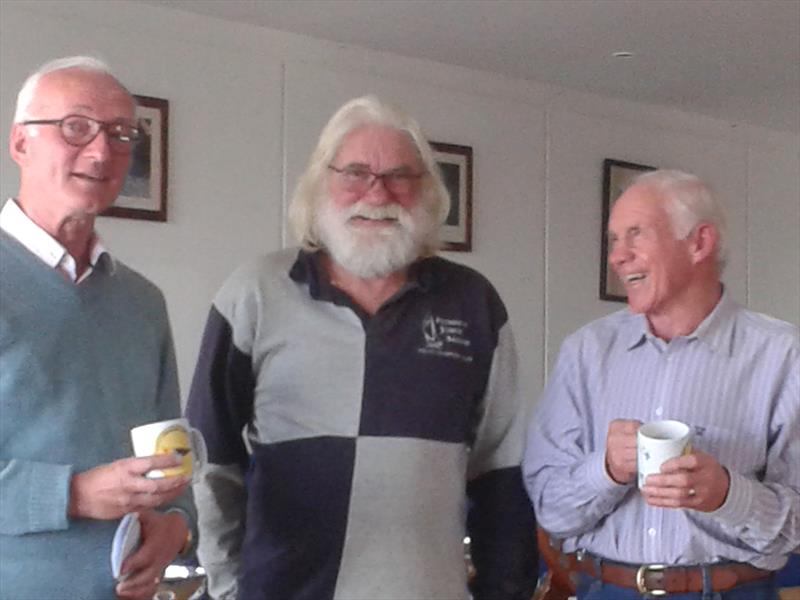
{"type": "Point", "coordinates": [660, 580]}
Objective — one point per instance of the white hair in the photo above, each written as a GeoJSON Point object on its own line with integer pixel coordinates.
{"type": "Point", "coordinates": [310, 190]}
{"type": "Point", "coordinates": [28, 90]}
{"type": "Point", "coordinates": [688, 202]}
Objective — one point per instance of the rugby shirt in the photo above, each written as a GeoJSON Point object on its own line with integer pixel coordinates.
{"type": "Point", "coordinates": [350, 453]}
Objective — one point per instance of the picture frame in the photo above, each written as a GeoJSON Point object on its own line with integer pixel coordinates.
{"type": "Point", "coordinates": [144, 193]}
{"type": "Point", "coordinates": [455, 165]}
{"type": "Point", "coordinates": [617, 176]}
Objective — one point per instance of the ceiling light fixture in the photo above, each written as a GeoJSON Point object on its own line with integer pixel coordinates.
{"type": "Point", "coordinates": [622, 54]}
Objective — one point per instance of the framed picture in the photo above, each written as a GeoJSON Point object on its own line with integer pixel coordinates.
{"type": "Point", "coordinates": [455, 164]}
{"type": "Point", "coordinates": [144, 194]}
{"type": "Point", "coordinates": [617, 176]}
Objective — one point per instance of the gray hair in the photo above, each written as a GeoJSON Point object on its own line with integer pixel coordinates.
{"type": "Point", "coordinates": [367, 110]}
{"type": "Point", "coordinates": [688, 202]}
{"type": "Point", "coordinates": [28, 90]}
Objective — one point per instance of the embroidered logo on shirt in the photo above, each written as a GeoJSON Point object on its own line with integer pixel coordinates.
{"type": "Point", "coordinates": [445, 337]}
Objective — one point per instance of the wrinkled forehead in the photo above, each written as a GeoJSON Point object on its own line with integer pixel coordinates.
{"type": "Point", "coordinates": [640, 206]}
{"type": "Point", "coordinates": [79, 91]}
{"type": "Point", "coordinates": [379, 147]}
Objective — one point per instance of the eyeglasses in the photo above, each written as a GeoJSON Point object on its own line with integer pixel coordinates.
{"type": "Point", "coordinates": [79, 130]}
{"type": "Point", "coordinates": [358, 180]}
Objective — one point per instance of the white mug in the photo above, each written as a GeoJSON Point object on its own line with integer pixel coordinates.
{"type": "Point", "coordinates": [175, 436]}
{"type": "Point", "coordinates": [657, 442]}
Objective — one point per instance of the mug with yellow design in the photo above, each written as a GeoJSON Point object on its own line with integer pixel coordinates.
{"type": "Point", "coordinates": [174, 436]}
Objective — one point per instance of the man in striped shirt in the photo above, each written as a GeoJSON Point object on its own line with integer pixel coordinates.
{"type": "Point", "coordinates": [713, 524]}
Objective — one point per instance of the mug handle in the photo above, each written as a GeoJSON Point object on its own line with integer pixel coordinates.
{"type": "Point", "coordinates": [199, 451]}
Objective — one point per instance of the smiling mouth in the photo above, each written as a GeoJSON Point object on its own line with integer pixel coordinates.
{"type": "Point", "coordinates": [364, 219]}
{"type": "Point", "coordinates": [87, 177]}
{"type": "Point", "coordinates": [634, 277]}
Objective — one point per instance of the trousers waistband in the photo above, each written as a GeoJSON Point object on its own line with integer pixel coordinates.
{"type": "Point", "coordinates": [660, 580]}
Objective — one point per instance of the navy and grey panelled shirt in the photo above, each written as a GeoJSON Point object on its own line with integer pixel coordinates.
{"type": "Point", "coordinates": [371, 444]}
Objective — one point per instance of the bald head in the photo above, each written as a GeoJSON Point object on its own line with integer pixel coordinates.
{"type": "Point", "coordinates": [29, 91]}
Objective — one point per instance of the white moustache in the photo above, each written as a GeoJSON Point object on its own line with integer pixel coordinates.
{"type": "Point", "coordinates": [367, 211]}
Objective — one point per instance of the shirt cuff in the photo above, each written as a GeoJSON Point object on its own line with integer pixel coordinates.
{"type": "Point", "coordinates": [738, 504]}
{"type": "Point", "coordinates": [593, 472]}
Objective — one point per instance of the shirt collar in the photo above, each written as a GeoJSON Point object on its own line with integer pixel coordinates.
{"type": "Point", "coordinates": [22, 228]}
{"type": "Point", "coordinates": [716, 330]}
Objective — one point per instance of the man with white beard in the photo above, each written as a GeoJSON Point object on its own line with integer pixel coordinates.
{"type": "Point", "coordinates": [359, 397]}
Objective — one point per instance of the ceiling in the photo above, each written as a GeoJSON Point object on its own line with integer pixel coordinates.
{"type": "Point", "coordinates": [738, 60]}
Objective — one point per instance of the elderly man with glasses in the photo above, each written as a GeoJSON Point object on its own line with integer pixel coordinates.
{"type": "Point", "coordinates": [359, 397]}
{"type": "Point", "coordinates": [85, 355]}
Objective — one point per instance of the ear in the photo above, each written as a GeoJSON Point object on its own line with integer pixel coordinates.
{"type": "Point", "coordinates": [703, 242]}
{"type": "Point", "coordinates": [18, 143]}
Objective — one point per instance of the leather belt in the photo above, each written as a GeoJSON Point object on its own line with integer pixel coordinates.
{"type": "Point", "coordinates": [659, 580]}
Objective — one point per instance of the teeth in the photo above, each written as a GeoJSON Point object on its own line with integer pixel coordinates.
{"type": "Point", "coordinates": [634, 277]}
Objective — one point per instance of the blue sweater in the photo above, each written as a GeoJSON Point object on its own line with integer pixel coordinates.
{"type": "Point", "coordinates": [80, 365]}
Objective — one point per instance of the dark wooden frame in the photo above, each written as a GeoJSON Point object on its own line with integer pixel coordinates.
{"type": "Point", "coordinates": [617, 174]}
{"type": "Point", "coordinates": [156, 111]}
{"type": "Point", "coordinates": [457, 237]}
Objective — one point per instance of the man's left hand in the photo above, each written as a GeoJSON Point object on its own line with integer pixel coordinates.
{"type": "Point", "coordinates": [695, 481]}
{"type": "Point", "coordinates": [163, 537]}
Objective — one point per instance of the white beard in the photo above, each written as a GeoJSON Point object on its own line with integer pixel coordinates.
{"type": "Point", "coordinates": [373, 252]}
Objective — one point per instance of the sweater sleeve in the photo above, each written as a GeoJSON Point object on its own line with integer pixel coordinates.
{"type": "Point", "coordinates": [220, 406]}
{"type": "Point", "coordinates": [33, 496]}
{"type": "Point", "coordinates": [500, 518]}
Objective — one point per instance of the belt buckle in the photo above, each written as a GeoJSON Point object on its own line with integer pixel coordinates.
{"type": "Point", "coordinates": [641, 584]}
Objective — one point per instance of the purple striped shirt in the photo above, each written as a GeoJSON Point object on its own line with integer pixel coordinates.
{"type": "Point", "coordinates": [735, 380]}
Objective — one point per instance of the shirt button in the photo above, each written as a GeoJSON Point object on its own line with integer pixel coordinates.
{"type": "Point", "coordinates": [651, 532]}
{"type": "Point", "coordinates": [659, 411]}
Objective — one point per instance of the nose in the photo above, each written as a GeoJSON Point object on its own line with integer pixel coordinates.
{"type": "Point", "coordinates": [377, 193]}
{"type": "Point", "coordinates": [618, 253]}
{"type": "Point", "coordinates": [99, 148]}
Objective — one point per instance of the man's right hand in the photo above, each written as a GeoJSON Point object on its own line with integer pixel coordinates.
{"type": "Point", "coordinates": [621, 450]}
{"type": "Point", "coordinates": [111, 490]}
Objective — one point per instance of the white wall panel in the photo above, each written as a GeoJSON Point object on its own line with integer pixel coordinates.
{"type": "Point", "coordinates": [774, 229]}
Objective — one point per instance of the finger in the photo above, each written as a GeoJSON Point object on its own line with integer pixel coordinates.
{"type": "Point", "coordinates": [145, 589]}
{"type": "Point", "coordinates": [141, 560]}
{"type": "Point", "coordinates": [688, 462]}
{"type": "Point", "coordinates": [146, 501]}
{"type": "Point", "coordinates": [164, 485]}
{"type": "Point", "coordinates": [142, 464]}
{"type": "Point", "coordinates": [626, 426]}
{"type": "Point", "coordinates": [679, 479]}
{"type": "Point", "coordinates": [660, 502]}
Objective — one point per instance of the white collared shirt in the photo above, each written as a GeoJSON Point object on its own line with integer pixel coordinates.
{"type": "Point", "coordinates": [20, 226]}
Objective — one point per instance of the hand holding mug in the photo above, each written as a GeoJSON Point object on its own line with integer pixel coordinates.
{"type": "Point", "coordinates": [111, 490]}
{"type": "Point", "coordinates": [695, 481]}
{"type": "Point", "coordinates": [172, 437]}
{"type": "Point", "coordinates": [621, 450]}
